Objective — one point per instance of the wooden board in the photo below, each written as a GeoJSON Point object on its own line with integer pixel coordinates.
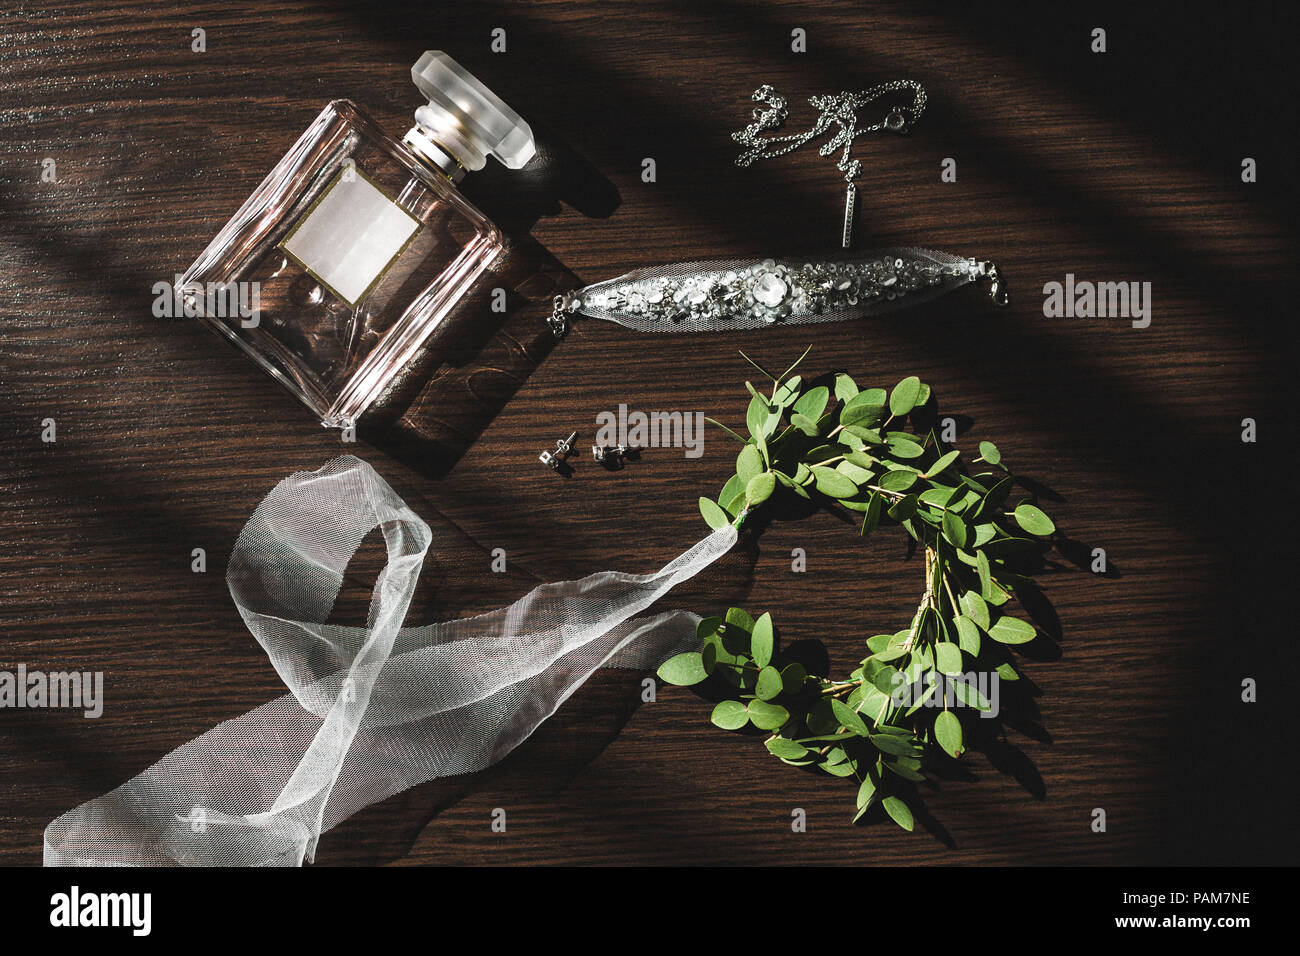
{"type": "Point", "coordinates": [1116, 166]}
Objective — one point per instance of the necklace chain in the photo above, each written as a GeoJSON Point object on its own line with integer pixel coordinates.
{"type": "Point", "coordinates": [839, 110]}
{"type": "Point", "coordinates": [835, 110]}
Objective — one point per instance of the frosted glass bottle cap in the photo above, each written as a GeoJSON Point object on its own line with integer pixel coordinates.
{"type": "Point", "coordinates": [467, 119]}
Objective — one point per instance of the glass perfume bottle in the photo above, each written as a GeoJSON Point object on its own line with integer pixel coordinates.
{"type": "Point", "coordinates": [356, 246]}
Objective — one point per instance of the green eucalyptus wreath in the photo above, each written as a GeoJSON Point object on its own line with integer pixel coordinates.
{"type": "Point", "coordinates": [881, 724]}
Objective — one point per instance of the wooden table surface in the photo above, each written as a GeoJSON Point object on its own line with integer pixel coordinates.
{"type": "Point", "coordinates": [1121, 166]}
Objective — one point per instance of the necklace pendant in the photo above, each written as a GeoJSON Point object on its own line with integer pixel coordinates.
{"type": "Point", "coordinates": [850, 206]}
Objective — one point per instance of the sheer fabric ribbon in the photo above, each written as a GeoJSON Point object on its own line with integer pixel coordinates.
{"type": "Point", "coordinates": [370, 711]}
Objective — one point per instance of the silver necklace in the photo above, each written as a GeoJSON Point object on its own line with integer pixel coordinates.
{"type": "Point", "coordinates": [736, 294]}
{"type": "Point", "coordinates": [839, 110]}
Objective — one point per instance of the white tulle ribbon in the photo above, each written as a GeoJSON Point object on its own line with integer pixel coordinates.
{"type": "Point", "coordinates": [370, 711]}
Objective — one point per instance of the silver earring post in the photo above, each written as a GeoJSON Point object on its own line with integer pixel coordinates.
{"type": "Point", "coordinates": [554, 459]}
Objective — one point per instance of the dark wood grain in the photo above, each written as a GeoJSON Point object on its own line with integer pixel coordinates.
{"type": "Point", "coordinates": [1122, 166]}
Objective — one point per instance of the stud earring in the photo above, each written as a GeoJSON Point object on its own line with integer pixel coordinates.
{"type": "Point", "coordinates": [607, 454]}
{"type": "Point", "coordinates": [614, 457]}
{"type": "Point", "coordinates": [554, 460]}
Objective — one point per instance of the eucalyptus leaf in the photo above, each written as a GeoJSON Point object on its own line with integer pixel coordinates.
{"type": "Point", "coordinates": [850, 718]}
{"type": "Point", "coordinates": [708, 627]}
{"type": "Point", "coordinates": [840, 770]}
{"type": "Point", "coordinates": [833, 484]}
{"type": "Point", "coordinates": [762, 641]}
{"type": "Point", "coordinates": [821, 717]}
{"type": "Point", "coordinates": [936, 496]}
{"type": "Point", "coordinates": [903, 509]}
{"type": "Point", "coordinates": [749, 463]}
{"type": "Point", "coordinates": [1001, 547]}
{"type": "Point", "coordinates": [985, 575]}
{"type": "Point", "coordinates": [820, 453]}
{"type": "Point", "coordinates": [903, 770]}
{"type": "Point", "coordinates": [793, 677]}
{"type": "Point", "coordinates": [866, 792]}
{"type": "Point", "coordinates": [942, 464]}
{"type": "Point", "coordinates": [969, 694]}
{"type": "Point", "coordinates": [891, 729]}
{"type": "Point", "coordinates": [962, 500]}
{"type": "Point", "coordinates": [768, 684]}
{"type": "Point", "coordinates": [785, 748]}
{"type": "Point", "coordinates": [887, 679]}
{"type": "Point", "coordinates": [947, 657]}
{"type": "Point", "coordinates": [849, 440]}
{"type": "Point", "coordinates": [855, 473]}
{"type": "Point", "coordinates": [954, 529]}
{"type": "Point", "coordinates": [993, 499]}
{"type": "Point", "coordinates": [1033, 520]}
{"type": "Point", "coordinates": [813, 402]}
{"type": "Point", "coordinates": [732, 495]}
{"type": "Point", "coordinates": [865, 408]}
{"type": "Point", "coordinates": [729, 715]}
{"type": "Point", "coordinates": [767, 716]}
{"type": "Point", "coordinates": [902, 447]}
{"type": "Point", "coordinates": [684, 670]}
{"type": "Point", "coordinates": [947, 731]}
{"type": "Point", "coordinates": [903, 398]}
{"type": "Point", "coordinates": [740, 618]}
{"type": "Point", "coordinates": [757, 416]}
{"type": "Point", "coordinates": [714, 516]}
{"type": "Point", "coordinates": [968, 635]}
{"type": "Point", "coordinates": [760, 488]}
{"type": "Point", "coordinates": [897, 480]}
{"type": "Point", "coordinates": [805, 424]}
{"type": "Point", "coordinates": [892, 744]}
{"type": "Point", "coordinates": [1012, 630]}
{"type": "Point", "coordinates": [871, 520]}
{"type": "Point", "coordinates": [977, 485]}
{"type": "Point", "coordinates": [845, 387]}
{"type": "Point", "coordinates": [862, 435]}
{"type": "Point", "coordinates": [790, 483]}
{"type": "Point", "coordinates": [975, 608]}
{"type": "Point", "coordinates": [873, 703]}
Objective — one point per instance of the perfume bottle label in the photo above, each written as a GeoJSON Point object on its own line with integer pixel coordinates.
{"type": "Point", "coordinates": [350, 236]}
